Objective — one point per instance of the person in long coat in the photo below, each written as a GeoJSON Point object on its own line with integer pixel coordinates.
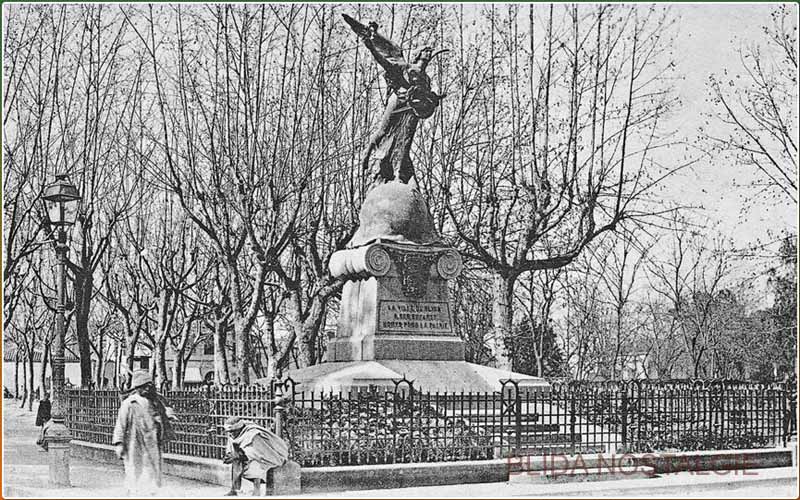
{"type": "Point", "coordinates": [252, 450]}
{"type": "Point", "coordinates": [43, 417]}
{"type": "Point", "coordinates": [143, 427]}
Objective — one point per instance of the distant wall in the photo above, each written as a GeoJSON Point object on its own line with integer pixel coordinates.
{"type": "Point", "coordinates": [72, 373]}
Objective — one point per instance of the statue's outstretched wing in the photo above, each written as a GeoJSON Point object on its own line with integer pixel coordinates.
{"type": "Point", "coordinates": [388, 55]}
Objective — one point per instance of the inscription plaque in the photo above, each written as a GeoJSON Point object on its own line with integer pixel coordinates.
{"type": "Point", "coordinates": [418, 317]}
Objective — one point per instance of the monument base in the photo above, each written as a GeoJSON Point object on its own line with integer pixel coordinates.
{"type": "Point", "coordinates": [426, 375]}
{"type": "Point", "coordinates": [387, 347]}
{"type": "Point", "coordinates": [395, 303]}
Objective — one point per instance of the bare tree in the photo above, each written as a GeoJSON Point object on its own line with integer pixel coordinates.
{"type": "Point", "coordinates": [536, 300]}
{"type": "Point", "coordinates": [662, 342]}
{"type": "Point", "coordinates": [126, 293]}
{"type": "Point", "coordinates": [581, 322]}
{"type": "Point", "coordinates": [692, 281]}
{"type": "Point", "coordinates": [234, 142]}
{"type": "Point", "coordinates": [758, 109]}
{"type": "Point", "coordinates": [34, 43]}
{"type": "Point", "coordinates": [26, 331]}
{"type": "Point", "coordinates": [535, 187]}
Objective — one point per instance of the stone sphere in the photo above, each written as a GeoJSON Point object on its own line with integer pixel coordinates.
{"type": "Point", "coordinates": [395, 211]}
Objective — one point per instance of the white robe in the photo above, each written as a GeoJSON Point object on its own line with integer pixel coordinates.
{"type": "Point", "coordinates": [138, 432]}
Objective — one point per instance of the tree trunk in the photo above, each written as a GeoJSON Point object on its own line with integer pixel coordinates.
{"type": "Point", "coordinates": [152, 367]}
{"type": "Point", "coordinates": [696, 370]}
{"type": "Point", "coordinates": [502, 290]}
{"type": "Point", "coordinates": [539, 367]}
{"type": "Point", "coordinates": [178, 363]}
{"type": "Point", "coordinates": [307, 332]}
{"type": "Point", "coordinates": [100, 363]}
{"type": "Point", "coordinates": [168, 303]}
{"type": "Point", "coordinates": [130, 351]}
{"type": "Point", "coordinates": [160, 361]}
{"type": "Point", "coordinates": [177, 378]}
{"type": "Point", "coordinates": [31, 381]}
{"type": "Point", "coordinates": [16, 375]}
{"type": "Point", "coordinates": [273, 370]}
{"type": "Point", "coordinates": [275, 354]}
{"type": "Point", "coordinates": [616, 367]}
{"type": "Point", "coordinates": [83, 300]}
{"type": "Point", "coordinates": [117, 363]}
{"type": "Point", "coordinates": [24, 384]}
{"type": "Point", "coordinates": [221, 372]}
{"type": "Point", "coordinates": [43, 375]}
{"type": "Point", "coordinates": [241, 357]}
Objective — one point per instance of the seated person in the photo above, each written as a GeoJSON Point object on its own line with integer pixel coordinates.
{"type": "Point", "coordinates": [252, 450]}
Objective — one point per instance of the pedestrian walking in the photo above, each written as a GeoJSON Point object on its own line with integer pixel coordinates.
{"type": "Point", "coordinates": [42, 418]}
{"type": "Point", "coordinates": [143, 427]}
{"type": "Point", "coordinates": [252, 450]}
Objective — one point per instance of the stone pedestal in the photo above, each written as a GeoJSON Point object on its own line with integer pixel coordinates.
{"type": "Point", "coordinates": [395, 304]}
{"type": "Point", "coordinates": [395, 318]}
{"type": "Point", "coordinates": [57, 437]}
{"type": "Point", "coordinates": [285, 479]}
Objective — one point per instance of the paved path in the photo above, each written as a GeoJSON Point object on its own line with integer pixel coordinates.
{"type": "Point", "coordinates": [25, 467]}
{"type": "Point", "coordinates": [770, 483]}
{"type": "Point", "coordinates": [25, 473]}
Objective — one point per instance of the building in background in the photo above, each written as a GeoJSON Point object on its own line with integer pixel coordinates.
{"type": "Point", "coordinates": [14, 363]}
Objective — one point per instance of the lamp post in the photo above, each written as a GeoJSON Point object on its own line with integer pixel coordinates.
{"type": "Point", "coordinates": [62, 199]}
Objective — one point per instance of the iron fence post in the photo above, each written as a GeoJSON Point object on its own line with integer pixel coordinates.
{"type": "Point", "coordinates": [517, 421]}
{"type": "Point", "coordinates": [784, 398]}
{"type": "Point", "coordinates": [501, 425]}
{"type": "Point", "coordinates": [411, 444]}
{"type": "Point", "coordinates": [572, 422]}
{"type": "Point", "coordinates": [710, 411]}
{"type": "Point", "coordinates": [624, 416]}
{"type": "Point", "coordinates": [723, 407]}
{"type": "Point", "coordinates": [279, 409]}
{"type": "Point", "coordinates": [515, 406]}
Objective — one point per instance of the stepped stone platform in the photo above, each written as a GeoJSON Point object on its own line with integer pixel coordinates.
{"type": "Point", "coordinates": [426, 375]}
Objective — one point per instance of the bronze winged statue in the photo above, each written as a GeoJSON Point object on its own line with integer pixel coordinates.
{"type": "Point", "coordinates": [410, 99]}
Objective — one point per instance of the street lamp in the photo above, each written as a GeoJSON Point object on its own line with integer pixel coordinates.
{"type": "Point", "coordinates": [62, 199]}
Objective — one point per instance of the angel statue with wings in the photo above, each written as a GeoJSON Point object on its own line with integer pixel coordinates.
{"type": "Point", "coordinates": [410, 99]}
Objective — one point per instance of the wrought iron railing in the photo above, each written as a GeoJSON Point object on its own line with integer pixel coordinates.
{"type": "Point", "coordinates": [91, 415]}
{"type": "Point", "coordinates": [404, 425]}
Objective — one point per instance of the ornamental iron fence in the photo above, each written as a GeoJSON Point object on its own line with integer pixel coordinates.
{"type": "Point", "coordinates": [403, 425]}
{"type": "Point", "coordinates": [92, 414]}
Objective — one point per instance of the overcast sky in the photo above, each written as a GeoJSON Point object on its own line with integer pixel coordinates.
{"type": "Point", "coordinates": [707, 42]}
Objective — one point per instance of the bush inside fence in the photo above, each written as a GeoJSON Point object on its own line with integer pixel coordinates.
{"type": "Point", "coordinates": [379, 428]}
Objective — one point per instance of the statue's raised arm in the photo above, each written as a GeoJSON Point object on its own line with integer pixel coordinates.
{"type": "Point", "coordinates": [388, 55]}
{"type": "Point", "coordinates": [410, 99]}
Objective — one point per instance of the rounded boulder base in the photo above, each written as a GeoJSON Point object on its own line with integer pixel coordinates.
{"type": "Point", "coordinates": [395, 211]}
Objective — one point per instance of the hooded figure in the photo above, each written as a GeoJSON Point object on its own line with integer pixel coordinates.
{"type": "Point", "coordinates": [252, 450]}
{"type": "Point", "coordinates": [143, 427]}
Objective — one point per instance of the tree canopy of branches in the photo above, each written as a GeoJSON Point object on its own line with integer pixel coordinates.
{"type": "Point", "coordinates": [217, 151]}
{"type": "Point", "coordinates": [758, 108]}
{"type": "Point", "coordinates": [547, 143]}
